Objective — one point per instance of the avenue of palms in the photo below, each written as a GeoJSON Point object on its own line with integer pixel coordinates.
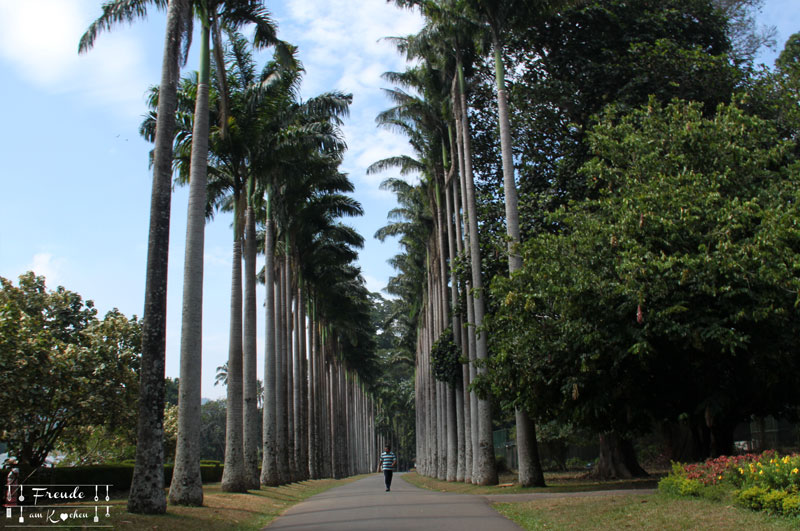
{"type": "Point", "coordinates": [523, 285]}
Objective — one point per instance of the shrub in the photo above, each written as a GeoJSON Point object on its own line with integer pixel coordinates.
{"type": "Point", "coordinates": [684, 487]}
{"type": "Point", "coordinates": [791, 505]}
{"type": "Point", "coordinates": [765, 482]}
{"type": "Point", "coordinates": [119, 476]}
{"type": "Point", "coordinates": [678, 484]}
{"type": "Point", "coordinates": [751, 498]}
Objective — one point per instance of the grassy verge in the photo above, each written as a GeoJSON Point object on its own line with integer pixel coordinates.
{"type": "Point", "coordinates": [556, 482]}
{"type": "Point", "coordinates": [220, 510]}
{"type": "Point", "coordinates": [656, 512]}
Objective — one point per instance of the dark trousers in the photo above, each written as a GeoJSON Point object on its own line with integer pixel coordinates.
{"type": "Point", "coordinates": [387, 478]}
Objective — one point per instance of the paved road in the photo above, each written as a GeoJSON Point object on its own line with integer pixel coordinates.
{"type": "Point", "coordinates": [364, 504]}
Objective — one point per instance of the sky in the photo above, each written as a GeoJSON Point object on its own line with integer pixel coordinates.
{"type": "Point", "coordinates": [74, 179]}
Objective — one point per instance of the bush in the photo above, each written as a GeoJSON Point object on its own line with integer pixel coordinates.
{"type": "Point", "coordinates": [773, 501]}
{"type": "Point", "coordinates": [576, 463]}
{"type": "Point", "coordinates": [791, 505]}
{"type": "Point", "coordinates": [680, 486]}
{"type": "Point", "coordinates": [766, 482]}
{"type": "Point", "coordinates": [119, 476]}
{"type": "Point", "coordinates": [751, 498]}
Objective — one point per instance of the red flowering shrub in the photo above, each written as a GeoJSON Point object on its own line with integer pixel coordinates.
{"type": "Point", "coordinates": [764, 481]}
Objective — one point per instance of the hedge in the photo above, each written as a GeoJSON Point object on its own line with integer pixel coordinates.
{"type": "Point", "coordinates": [118, 475]}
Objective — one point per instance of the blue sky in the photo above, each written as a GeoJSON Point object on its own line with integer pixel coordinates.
{"type": "Point", "coordinates": [74, 177]}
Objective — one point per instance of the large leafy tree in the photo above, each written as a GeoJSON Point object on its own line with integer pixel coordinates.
{"type": "Point", "coordinates": [677, 282]}
{"type": "Point", "coordinates": [62, 371]}
{"type": "Point", "coordinates": [578, 61]}
{"type": "Point", "coordinates": [147, 494]}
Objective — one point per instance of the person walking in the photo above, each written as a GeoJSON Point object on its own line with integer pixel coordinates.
{"type": "Point", "coordinates": [387, 463]}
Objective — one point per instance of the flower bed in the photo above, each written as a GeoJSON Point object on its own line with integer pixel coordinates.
{"type": "Point", "coordinates": [762, 482]}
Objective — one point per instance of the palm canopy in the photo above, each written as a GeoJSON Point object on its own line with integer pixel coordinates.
{"type": "Point", "coordinates": [128, 11]}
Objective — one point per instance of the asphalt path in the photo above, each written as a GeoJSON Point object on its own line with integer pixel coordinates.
{"type": "Point", "coordinates": [364, 504]}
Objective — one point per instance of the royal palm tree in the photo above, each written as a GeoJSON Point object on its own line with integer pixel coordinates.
{"type": "Point", "coordinates": [233, 190]}
{"type": "Point", "coordinates": [495, 15]}
{"type": "Point", "coordinates": [147, 494]}
{"type": "Point", "coordinates": [186, 487]}
{"type": "Point", "coordinates": [457, 33]}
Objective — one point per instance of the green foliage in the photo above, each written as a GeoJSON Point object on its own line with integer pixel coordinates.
{"type": "Point", "coordinates": [170, 432]}
{"type": "Point", "coordinates": [679, 486]}
{"type": "Point", "coordinates": [446, 358]}
{"type": "Point", "coordinates": [776, 502]}
{"type": "Point", "coordinates": [212, 430]}
{"type": "Point", "coordinates": [395, 417]}
{"type": "Point", "coordinates": [682, 261]}
{"type": "Point", "coordinates": [583, 58]}
{"type": "Point", "coordinates": [752, 498]}
{"type": "Point", "coordinates": [764, 482]}
{"type": "Point", "coordinates": [791, 505]}
{"type": "Point", "coordinates": [118, 475]}
{"type": "Point", "coordinates": [62, 369]}
{"type": "Point", "coordinates": [773, 501]}
{"type": "Point", "coordinates": [96, 444]}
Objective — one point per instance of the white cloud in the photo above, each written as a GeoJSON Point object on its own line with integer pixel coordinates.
{"type": "Point", "coordinates": [373, 284]}
{"type": "Point", "coordinates": [40, 41]}
{"type": "Point", "coordinates": [218, 257]}
{"type": "Point", "coordinates": [45, 264]}
{"type": "Point", "coordinates": [342, 46]}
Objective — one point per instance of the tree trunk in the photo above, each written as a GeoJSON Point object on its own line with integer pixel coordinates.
{"type": "Point", "coordinates": [530, 468]}
{"type": "Point", "coordinates": [304, 401]}
{"type": "Point", "coordinates": [186, 487]}
{"type": "Point", "coordinates": [147, 488]}
{"type": "Point", "coordinates": [462, 332]}
{"type": "Point", "coordinates": [249, 366]}
{"type": "Point", "coordinates": [617, 459]}
{"type": "Point", "coordinates": [233, 476]}
{"type": "Point", "coordinates": [487, 467]}
{"type": "Point", "coordinates": [269, 466]}
{"type": "Point", "coordinates": [289, 345]}
{"type": "Point", "coordinates": [282, 457]}
{"type": "Point", "coordinates": [456, 327]}
{"type": "Point", "coordinates": [313, 389]}
{"type": "Point", "coordinates": [297, 389]}
{"type": "Point", "coordinates": [452, 434]}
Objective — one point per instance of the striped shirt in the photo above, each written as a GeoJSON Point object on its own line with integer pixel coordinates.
{"type": "Point", "coordinates": [387, 460]}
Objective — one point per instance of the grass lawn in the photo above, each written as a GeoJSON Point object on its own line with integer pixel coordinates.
{"type": "Point", "coordinates": [220, 510]}
{"type": "Point", "coordinates": [556, 482]}
{"type": "Point", "coordinates": [657, 512]}
{"type": "Point", "coordinates": [612, 511]}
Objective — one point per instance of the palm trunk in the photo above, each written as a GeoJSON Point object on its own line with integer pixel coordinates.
{"type": "Point", "coordinates": [469, 335]}
{"type": "Point", "coordinates": [530, 468]}
{"type": "Point", "coordinates": [249, 366]}
{"type": "Point", "coordinates": [304, 402]}
{"type": "Point", "coordinates": [461, 332]}
{"type": "Point", "coordinates": [186, 487]}
{"type": "Point", "coordinates": [297, 390]}
{"type": "Point", "coordinates": [288, 346]}
{"type": "Point", "coordinates": [456, 327]}
{"type": "Point", "coordinates": [280, 382]}
{"type": "Point", "coordinates": [147, 487]}
{"type": "Point", "coordinates": [233, 478]}
{"type": "Point", "coordinates": [487, 468]}
{"type": "Point", "coordinates": [269, 466]}
{"type": "Point", "coordinates": [313, 389]}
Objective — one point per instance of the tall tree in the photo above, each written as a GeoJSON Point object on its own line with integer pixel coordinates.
{"type": "Point", "coordinates": [147, 494]}
{"type": "Point", "coordinates": [186, 487]}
